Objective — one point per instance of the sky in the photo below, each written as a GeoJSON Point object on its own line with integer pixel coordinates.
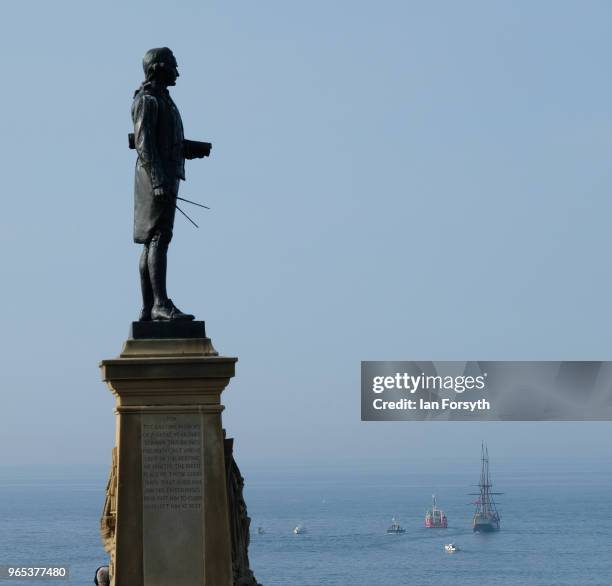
{"type": "Point", "coordinates": [389, 180]}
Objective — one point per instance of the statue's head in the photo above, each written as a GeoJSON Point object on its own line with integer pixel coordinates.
{"type": "Point", "coordinates": [160, 65]}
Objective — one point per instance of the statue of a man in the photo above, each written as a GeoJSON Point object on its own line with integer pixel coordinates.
{"type": "Point", "coordinates": [162, 150]}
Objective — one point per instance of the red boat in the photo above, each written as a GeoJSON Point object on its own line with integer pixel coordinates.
{"type": "Point", "coordinates": [435, 518]}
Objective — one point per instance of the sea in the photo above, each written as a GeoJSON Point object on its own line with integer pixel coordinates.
{"type": "Point", "coordinates": [556, 527]}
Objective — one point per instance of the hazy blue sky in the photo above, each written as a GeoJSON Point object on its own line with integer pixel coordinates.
{"type": "Point", "coordinates": [390, 180]}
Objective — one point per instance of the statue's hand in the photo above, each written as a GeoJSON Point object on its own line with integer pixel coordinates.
{"type": "Point", "coordinates": [163, 194]}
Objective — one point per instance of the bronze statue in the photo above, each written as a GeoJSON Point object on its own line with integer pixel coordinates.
{"type": "Point", "coordinates": [162, 150]}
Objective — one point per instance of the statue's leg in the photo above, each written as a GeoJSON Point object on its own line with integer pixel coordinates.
{"type": "Point", "coordinates": [163, 308]}
{"type": "Point", "coordinates": [145, 285]}
{"type": "Point", "coordinates": [157, 265]}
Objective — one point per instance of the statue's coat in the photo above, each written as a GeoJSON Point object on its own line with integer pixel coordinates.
{"type": "Point", "coordinates": [159, 141]}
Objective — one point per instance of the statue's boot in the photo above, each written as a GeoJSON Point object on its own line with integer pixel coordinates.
{"type": "Point", "coordinates": [145, 286]}
{"type": "Point", "coordinates": [163, 308]}
{"type": "Point", "coordinates": [169, 312]}
{"type": "Point", "coordinates": [145, 314]}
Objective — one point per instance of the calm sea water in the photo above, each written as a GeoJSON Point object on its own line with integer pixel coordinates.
{"type": "Point", "coordinates": [556, 529]}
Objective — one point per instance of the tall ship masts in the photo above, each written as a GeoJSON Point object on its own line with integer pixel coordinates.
{"type": "Point", "coordinates": [486, 517]}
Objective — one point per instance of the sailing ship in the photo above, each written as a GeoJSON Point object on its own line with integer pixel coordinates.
{"type": "Point", "coordinates": [435, 518]}
{"type": "Point", "coordinates": [486, 517]}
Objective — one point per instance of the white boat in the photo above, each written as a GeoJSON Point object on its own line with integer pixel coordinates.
{"type": "Point", "coordinates": [451, 548]}
{"type": "Point", "coordinates": [299, 529]}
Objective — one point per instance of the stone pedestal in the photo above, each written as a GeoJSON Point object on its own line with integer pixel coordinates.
{"type": "Point", "coordinates": [167, 515]}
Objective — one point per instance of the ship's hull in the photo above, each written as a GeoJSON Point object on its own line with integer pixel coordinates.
{"type": "Point", "coordinates": [443, 525]}
{"type": "Point", "coordinates": [485, 527]}
{"type": "Point", "coordinates": [483, 523]}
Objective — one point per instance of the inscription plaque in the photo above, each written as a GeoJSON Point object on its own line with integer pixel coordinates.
{"type": "Point", "coordinates": [172, 465]}
{"type": "Point", "coordinates": [172, 481]}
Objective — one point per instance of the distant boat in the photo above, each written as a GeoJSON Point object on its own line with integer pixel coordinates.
{"type": "Point", "coordinates": [435, 518]}
{"type": "Point", "coordinates": [299, 529]}
{"type": "Point", "coordinates": [395, 528]}
{"type": "Point", "coordinates": [451, 548]}
{"type": "Point", "coordinates": [260, 531]}
{"type": "Point", "coordinates": [486, 517]}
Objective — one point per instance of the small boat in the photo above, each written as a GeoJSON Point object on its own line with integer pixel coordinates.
{"type": "Point", "coordinates": [451, 548]}
{"type": "Point", "coordinates": [299, 529]}
{"type": "Point", "coordinates": [260, 531]}
{"type": "Point", "coordinates": [435, 517]}
{"type": "Point", "coordinates": [395, 528]}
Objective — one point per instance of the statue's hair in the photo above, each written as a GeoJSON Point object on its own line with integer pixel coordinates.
{"type": "Point", "coordinates": [156, 59]}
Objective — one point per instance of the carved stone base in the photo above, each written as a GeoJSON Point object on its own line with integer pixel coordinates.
{"type": "Point", "coordinates": [167, 519]}
{"type": "Point", "coordinates": [240, 522]}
